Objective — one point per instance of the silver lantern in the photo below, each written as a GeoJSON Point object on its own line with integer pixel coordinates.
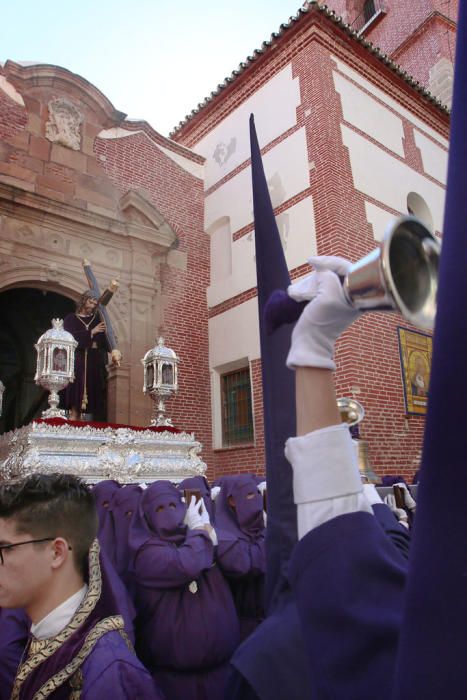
{"type": "Point", "coordinates": [160, 379]}
{"type": "Point", "coordinates": [2, 389]}
{"type": "Point", "coordinates": [55, 364]}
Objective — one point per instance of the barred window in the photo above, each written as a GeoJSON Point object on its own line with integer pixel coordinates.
{"type": "Point", "coordinates": [237, 415]}
{"type": "Point", "coordinates": [369, 10]}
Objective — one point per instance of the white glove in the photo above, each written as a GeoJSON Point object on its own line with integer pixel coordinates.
{"type": "Point", "coordinates": [326, 316]}
{"type": "Point", "coordinates": [262, 486]}
{"type": "Point", "coordinates": [408, 500]}
{"type": "Point", "coordinates": [401, 515]}
{"type": "Point", "coordinates": [215, 492]}
{"type": "Point", "coordinates": [196, 514]}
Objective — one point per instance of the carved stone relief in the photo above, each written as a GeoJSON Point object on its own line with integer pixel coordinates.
{"type": "Point", "coordinates": [64, 124]}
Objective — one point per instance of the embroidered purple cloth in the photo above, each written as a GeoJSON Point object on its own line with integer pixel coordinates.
{"type": "Point", "coordinates": [60, 663]}
{"type": "Point", "coordinates": [14, 629]}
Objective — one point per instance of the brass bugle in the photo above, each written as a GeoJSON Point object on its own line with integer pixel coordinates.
{"type": "Point", "coordinates": [400, 275]}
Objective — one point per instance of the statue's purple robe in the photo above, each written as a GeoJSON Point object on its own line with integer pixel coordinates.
{"type": "Point", "coordinates": [91, 654]}
{"type": "Point", "coordinates": [241, 551]}
{"type": "Point", "coordinates": [90, 361]}
{"type": "Point", "coordinates": [14, 629]}
{"type": "Point", "coordinates": [187, 625]}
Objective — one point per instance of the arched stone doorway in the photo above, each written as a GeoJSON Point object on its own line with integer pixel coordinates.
{"type": "Point", "coordinates": [25, 314]}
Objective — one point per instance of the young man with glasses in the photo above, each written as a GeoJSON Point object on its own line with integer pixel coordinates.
{"type": "Point", "coordinates": [50, 565]}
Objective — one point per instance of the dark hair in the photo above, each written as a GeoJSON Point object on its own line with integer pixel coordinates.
{"type": "Point", "coordinates": [53, 505]}
{"type": "Point", "coordinates": [88, 294]}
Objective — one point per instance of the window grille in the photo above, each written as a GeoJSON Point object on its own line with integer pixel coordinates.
{"type": "Point", "coordinates": [237, 415]}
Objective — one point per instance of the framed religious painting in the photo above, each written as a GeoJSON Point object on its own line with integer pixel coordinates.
{"type": "Point", "coordinates": [415, 350]}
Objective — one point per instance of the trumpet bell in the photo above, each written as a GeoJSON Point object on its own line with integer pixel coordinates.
{"type": "Point", "coordinates": [402, 274]}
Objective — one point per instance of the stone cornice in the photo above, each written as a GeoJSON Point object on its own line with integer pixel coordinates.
{"type": "Point", "coordinates": [64, 217]}
{"type": "Point", "coordinates": [26, 78]}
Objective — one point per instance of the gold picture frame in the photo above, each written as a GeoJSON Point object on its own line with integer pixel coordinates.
{"type": "Point", "coordinates": [415, 350]}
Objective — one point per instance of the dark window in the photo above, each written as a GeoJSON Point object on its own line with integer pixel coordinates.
{"type": "Point", "coordinates": [369, 10]}
{"type": "Point", "coordinates": [237, 416]}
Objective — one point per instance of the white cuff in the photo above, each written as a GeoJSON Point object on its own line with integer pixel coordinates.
{"type": "Point", "coordinates": [324, 464]}
{"type": "Point", "coordinates": [372, 495]}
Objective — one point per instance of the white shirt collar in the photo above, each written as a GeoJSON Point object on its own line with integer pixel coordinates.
{"type": "Point", "coordinates": [58, 619]}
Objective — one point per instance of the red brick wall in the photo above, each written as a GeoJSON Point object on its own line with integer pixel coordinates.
{"type": "Point", "coordinates": [134, 162]}
{"type": "Point", "coordinates": [13, 117]}
{"type": "Point", "coordinates": [414, 34]}
{"type": "Point", "coordinates": [368, 362]}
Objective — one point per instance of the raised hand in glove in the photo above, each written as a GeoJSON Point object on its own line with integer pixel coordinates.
{"type": "Point", "coordinates": [196, 514]}
{"type": "Point", "coordinates": [326, 316]}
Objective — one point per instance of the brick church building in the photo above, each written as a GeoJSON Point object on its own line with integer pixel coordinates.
{"type": "Point", "coordinates": [352, 136]}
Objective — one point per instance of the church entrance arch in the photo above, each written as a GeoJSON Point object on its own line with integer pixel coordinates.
{"type": "Point", "coordinates": [25, 313]}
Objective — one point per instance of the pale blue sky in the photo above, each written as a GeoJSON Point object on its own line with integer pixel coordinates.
{"type": "Point", "coordinates": [154, 59]}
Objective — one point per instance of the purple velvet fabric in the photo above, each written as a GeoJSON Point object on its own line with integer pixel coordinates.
{"type": "Point", "coordinates": [90, 364]}
{"type": "Point", "coordinates": [241, 550]}
{"type": "Point", "coordinates": [123, 512]}
{"type": "Point", "coordinates": [113, 671]}
{"type": "Point", "coordinates": [431, 661]}
{"type": "Point", "coordinates": [187, 626]}
{"type": "Point", "coordinates": [14, 629]}
{"type": "Point", "coordinates": [200, 483]}
{"type": "Point", "coordinates": [348, 580]}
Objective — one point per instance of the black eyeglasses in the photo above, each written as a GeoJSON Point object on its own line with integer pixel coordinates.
{"type": "Point", "coordinates": [18, 544]}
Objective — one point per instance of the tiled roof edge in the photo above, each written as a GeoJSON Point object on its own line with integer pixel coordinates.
{"type": "Point", "coordinates": [285, 27]}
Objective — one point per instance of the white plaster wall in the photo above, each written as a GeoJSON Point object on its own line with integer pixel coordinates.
{"type": "Point", "coordinates": [370, 116]}
{"type": "Point", "coordinates": [434, 158]}
{"type": "Point", "coordinates": [279, 97]}
{"type": "Point", "coordinates": [286, 169]}
{"type": "Point", "coordinates": [389, 101]}
{"type": "Point", "coordinates": [234, 334]}
{"type": "Point", "coordinates": [297, 230]}
{"type": "Point", "coordinates": [388, 180]}
{"type": "Point", "coordinates": [378, 218]}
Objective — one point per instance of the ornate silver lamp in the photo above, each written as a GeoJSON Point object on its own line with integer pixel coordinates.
{"type": "Point", "coordinates": [160, 379]}
{"type": "Point", "coordinates": [55, 364]}
{"type": "Point", "coordinates": [2, 389]}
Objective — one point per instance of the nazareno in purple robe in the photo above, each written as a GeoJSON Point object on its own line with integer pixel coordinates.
{"type": "Point", "coordinates": [91, 654]}
{"type": "Point", "coordinates": [14, 630]}
{"type": "Point", "coordinates": [241, 551]}
{"type": "Point", "coordinates": [187, 625]}
{"type": "Point", "coordinates": [90, 362]}
{"type": "Point", "coordinates": [124, 513]}
{"type": "Point", "coordinates": [104, 492]}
